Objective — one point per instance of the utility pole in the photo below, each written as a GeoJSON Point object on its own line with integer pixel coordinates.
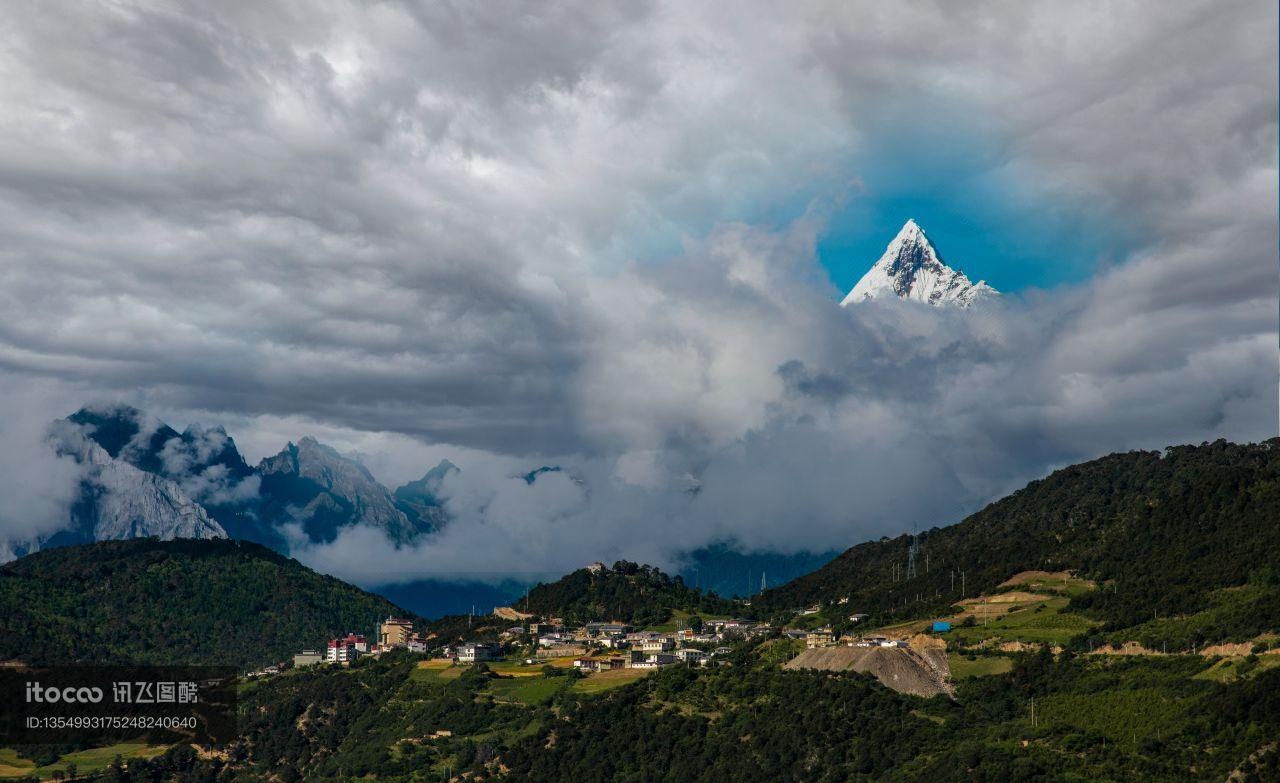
{"type": "Point", "coordinates": [1033, 712]}
{"type": "Point", "coordinates": [953, 580]}
{"type": "Point", "coordinates": [962, 592]}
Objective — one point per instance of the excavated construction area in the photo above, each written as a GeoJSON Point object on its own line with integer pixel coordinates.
{"type": "Point", "coordinates": [919, 670]}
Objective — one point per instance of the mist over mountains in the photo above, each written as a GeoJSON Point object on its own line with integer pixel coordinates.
{"type": "Point", "coordinates": [785, 429]}
{"type": "Point", "coordinates": [139, 477]}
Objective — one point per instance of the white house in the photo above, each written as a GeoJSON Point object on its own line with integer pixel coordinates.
{"type": "Point", "coordinates": [475, 652]}
{"type": "Point", "coordinates": [691, 656]}
{"type": "Point", "coordinates": [655, 661]}
{"type": "Point", "coordinates": [658, 644]}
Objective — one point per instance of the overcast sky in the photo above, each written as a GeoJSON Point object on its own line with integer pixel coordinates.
{"type": "Point", "coordinates": [613, 237]}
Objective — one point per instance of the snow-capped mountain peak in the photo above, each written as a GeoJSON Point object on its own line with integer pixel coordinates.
{"type": "Point", "coordinates": [912, 269]}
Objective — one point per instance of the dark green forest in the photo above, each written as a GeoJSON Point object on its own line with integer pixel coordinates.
{"type": "Point", "coordinates": [185, 601]}
{"type": "Point", "coordinates": [1160, 531]}
{"type": "Point", "coordinates": [626, 592]}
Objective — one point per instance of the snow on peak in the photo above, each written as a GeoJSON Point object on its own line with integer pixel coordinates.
{"type": "Point", "coordinates": [912, 269]}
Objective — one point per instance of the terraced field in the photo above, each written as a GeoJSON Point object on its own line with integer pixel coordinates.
{"type": "Point", "coordinates": [1039, 622]}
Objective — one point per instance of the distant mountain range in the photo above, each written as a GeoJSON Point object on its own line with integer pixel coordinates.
{"type": "Point", "coordinates": [142, 478]}
{"type": "Point", "coordinates": [912, 269]}
{"type": "Point", "coordinates": [146, 478]}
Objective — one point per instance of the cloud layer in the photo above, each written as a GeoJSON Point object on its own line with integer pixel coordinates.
{"type": "Point", "coordinates": [585, 234]}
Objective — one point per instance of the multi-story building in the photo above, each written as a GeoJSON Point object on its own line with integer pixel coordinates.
{"type": "Point", "coordinates": [659, 644]}
{"type": "Point", "coordinates": [341, 651]}
{"type": "Point", "coordinates": [819, 637]}
{"type": "Point", "coordinates": [360, 642]}
{"type": "Point", "coordinates": [395, 632]}
{"type": "Point", "coordinates": [691, 656]}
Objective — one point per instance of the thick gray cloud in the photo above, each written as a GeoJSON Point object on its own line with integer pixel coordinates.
{"type": "Point", "coordinates": [524, 235]}
{"type": "Point", "coordinates": [37, 486]}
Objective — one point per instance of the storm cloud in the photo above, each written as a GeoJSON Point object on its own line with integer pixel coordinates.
{"type": "Point", "coordinates": [586, 235]}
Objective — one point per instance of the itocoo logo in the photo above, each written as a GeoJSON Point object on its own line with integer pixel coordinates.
{"type": "Point", "coordinates": [46, 695]}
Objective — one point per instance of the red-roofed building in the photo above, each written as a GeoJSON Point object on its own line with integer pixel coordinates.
{"type": "Point", "coordinates": [341, 651]}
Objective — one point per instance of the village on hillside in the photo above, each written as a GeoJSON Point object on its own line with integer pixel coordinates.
{"type": "Point", "coordinates": [594, 646]}
{"type": "Point", "coordinates": [923, 656]}
{"type": "Point", "coordinates": [590, 647]}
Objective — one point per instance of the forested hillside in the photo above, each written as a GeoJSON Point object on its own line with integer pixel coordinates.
{"type": "Point", "coordinates": [626, 592]}
{"type": "Point", "coordinates": [185, 601]}
{"type": "Point", "coordinates": [1096, 720]}
{"type": "Point", "coordinates": [1161, 532]}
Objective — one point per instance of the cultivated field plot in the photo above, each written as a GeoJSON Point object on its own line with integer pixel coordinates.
{"type": "Point", "coordinates": [1235, 669]}
{"type": "Point", "coordinates": [523, 683]}
{"type": "Point", "coordinates": [607, 680]}
{"type": "Point", "coordinates": [435, 671]}
{"type": "Point", "coordinates": [528, 690]}
{"type": "Point", "coordinates": [1025, 590]}
{"type": "Point", "coordinates": [1057, 582]}
{"type": "Point", "coordinates": [981, 666]}
{"type": "Point", "coordinates": [93, 760]}
{"type": "Point", "coordinates": [1041, 622]}
{"type": "Point", "coordinates": [521, 669]}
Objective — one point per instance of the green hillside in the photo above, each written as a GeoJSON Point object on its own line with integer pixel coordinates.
{"type": "Point", "coordinates": [398, 721]}
{"type": "Point", "coordinates": [626, 592]}
{"type": "Point", "coordinates": [1162, 533]}
{"type": "Point", "coordinates": [185, 601]}
{"type": "Point", "coordinates": [639, 595]}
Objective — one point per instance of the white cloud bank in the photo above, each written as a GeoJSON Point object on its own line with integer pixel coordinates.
{"type": "Point", "coordinates": [518, 237]}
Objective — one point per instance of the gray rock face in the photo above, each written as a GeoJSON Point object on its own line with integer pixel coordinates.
{"type": "Point", "coordinates": [138, 477]}
{"type": "Point", "coordinates": [120, 501]}
{"type": "Point", "coordinates": [323, 491]}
